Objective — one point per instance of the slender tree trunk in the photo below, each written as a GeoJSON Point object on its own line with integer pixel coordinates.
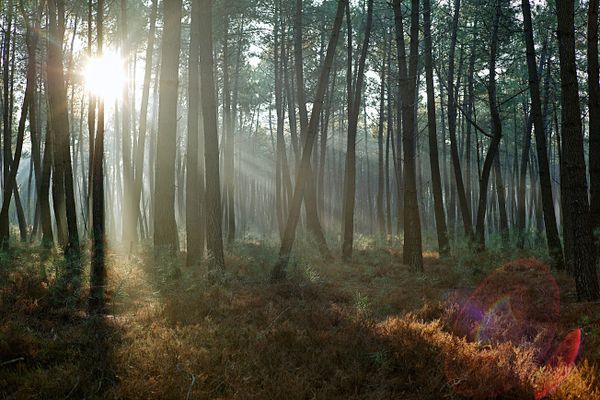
{"type": "Point", "coordinates": [380, 166]}
{"type": "Point", "coordinates": [194, 182]}
{"type": "Point", "coordinates": [552, 236]}
{"type": "Point", "coordinates": [350, 167]}
{"type": "Point", "coordinates": [496, 134]}
{"type": "Point", "coordinates": [10, 182]}
{"type": "Point", "coordinates": [436, 180]}
{"type": "Point", "coordinates": [98, 270]}
{"type": "Point", "coordinates": [310, 192]}
{"type": "Point", "coordinates": [129, 213]}
{"type": "Point", "coordinates": [57, 96]}
{"type": "Point", "coordinates": [452, 107]}
{"type": "Point", "coordinates": [304, 171]}
{"type": "Point", "coordinates": [143, 126]}
{"type": "Point", "coordinates": [228, 163]}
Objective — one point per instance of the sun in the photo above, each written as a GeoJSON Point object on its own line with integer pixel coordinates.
{"type": "Point", "coordinates": [105, 76]}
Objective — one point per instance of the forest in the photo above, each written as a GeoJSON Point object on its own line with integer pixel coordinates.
{"type": "Point", "coordinates": [299, 199]}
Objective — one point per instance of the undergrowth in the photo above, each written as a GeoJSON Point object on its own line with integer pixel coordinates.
{"type": "Point", "coordinates": [369, 330]}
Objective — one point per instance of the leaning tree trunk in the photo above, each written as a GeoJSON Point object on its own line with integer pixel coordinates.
{"type": "Point", "coordinates": [304, 170]}
{"type": "Point", "coordinates": [10, 183]}
{"type": "Point", "coordinates": [310, 192]}
{"type": "Point", "coordinates": [579, 247]}
{"type": "Point", "coordinates": [452, 111]}
{"type": "Point", "coordinates": [496, 131]}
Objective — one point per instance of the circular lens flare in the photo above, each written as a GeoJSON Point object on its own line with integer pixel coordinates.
{"type": "Point", "coordinates": [517, 306]}
{"type": "Point", "coordinates": [105, 76]}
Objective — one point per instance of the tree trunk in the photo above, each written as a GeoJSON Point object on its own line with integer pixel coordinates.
{"type": "Point", "coordinates": [594, 117]}
{"type": "Point", "coordinates": [228, 163]}
{"type": "Point", "coordinates": [452, 106]}
{"type": "Point", "coordinates": [412, 253]}
{"type": "Point", "coordinates": [129, 213]}
{"type": "Point", "coordinates": [143, 127]}
{"type": "Point", "coordinates": [496, 131]}
{"type": "Point", "coordinates": [579, 247]}
{"type": "Point", "coordinates": [166, 238]}
{"type": "Point", "coordinates": [304, 170]}
{"type": "Point", "coordinates": [98, 270]}
{"type": "Point", "coordinates": [194, 180]}
{"type": "Point", "coordinates": [57, 96]}
{"type": "Point", "coordinates": [350, 167]}
{"type": "Point", "coordinates": [310, 192]}
{"type": "Point", "coordinates": [552, 236]}
{"type": "Point", "coordinates": [214, 238]}
{"type": "Point", "coordinates": [436, 180]}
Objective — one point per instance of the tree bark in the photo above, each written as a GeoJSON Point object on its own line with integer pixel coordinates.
{"type": "Point", "coordinates": [59, 118]}
{"type": "Point", "coordinates": [552, 236]}
{"type": "Point", "coordinates": [304, 171]}
{"type": "Point", "coordinates": [98, 270]}
{"type": "Point", "coordinates": [452, 106]}
{"type": "Point", "coordinates": [166, 238]}
{"type": "Point", "coordinates": [593, 70]}
{"type": "Point", "coordinates": [579, 248]}
{"type": "Point", "coordinates": [496, 131]}
{"type": "Point", "coordinates": [412, 253]}
{"type": "Point", "coordinates": [214, 238]}
{"type": "Point", "coordinates": [436, 180]}
{"type": "Point", "coordinates": [194, 180]}
{"type": "Point", "coordinates": [350, 167]}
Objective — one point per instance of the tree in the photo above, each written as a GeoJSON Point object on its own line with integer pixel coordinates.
{"type": "Point", "coordinates": [593, 69]}
{"type": "Point", "coordinates": [98, 268]}
{"type": "Point", "coordinates": [552, 237]}
{"type": "Point", "coordinates": [129, 212]}
{"type": "Point", "coordinates": [310, 193]}
{"type": "Point", "coordinates": [63, 191]}
{"type": "Point", "coordinates": [143, 126]}
{"type": "Point", "coordinates": [577, 229]}
{"type": "Point", "coordinates": [412, 252]}
{"type": "Point", "coordinates": [496, 128]}
{"type": "Point", "coordinates": [436, 180]}
{"type": "Point", "coordinates": [195, 174]}
{"type": "Point", "coordinates": [452, 112]}
{"type": "Point", "coordinates": [166, 238]}
{"type": "Point", "coordinates": [354, 100]}
{"type": "Point", "coordinates": [214, 235]}
{"type": "Point", "coordinates": [303, 174]}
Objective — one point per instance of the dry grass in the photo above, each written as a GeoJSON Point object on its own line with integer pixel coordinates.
{"type": "Point", "coordinates": [370, 330]}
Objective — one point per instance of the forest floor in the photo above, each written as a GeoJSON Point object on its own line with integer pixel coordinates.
{"type": "Point", "coordinates": [370, 330]}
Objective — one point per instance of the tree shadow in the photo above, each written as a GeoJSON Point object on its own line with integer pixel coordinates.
{"type": "Point", "coordinates": [50, 348]}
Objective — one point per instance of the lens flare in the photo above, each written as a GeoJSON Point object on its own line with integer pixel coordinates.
{"type": "Point", "coordinates": [517, 306]}
{"type": "Point", "coordinates": [105, 76]}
